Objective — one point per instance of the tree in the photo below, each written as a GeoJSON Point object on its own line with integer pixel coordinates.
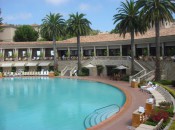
{"type": "Point", "coordinates": [1, 19]}
{"type": "Point", "coordinates": [114, 31]}
{"type": "Point", "coordinates": [53, 25]}
{"type": "Point", "coordinates": [78, 25]}
{"type": "Point", "coordinates": [128, 21]}
{"type": "Point", "coordinates": [156, 12]}
{"type": "Point", "coordinates": [25, 33]}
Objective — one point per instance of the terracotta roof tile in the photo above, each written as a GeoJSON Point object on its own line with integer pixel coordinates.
{"type": "Point", "coordinates": [104, 37]}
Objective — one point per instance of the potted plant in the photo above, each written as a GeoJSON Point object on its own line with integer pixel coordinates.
{"type": "Point", "coordinates": [28, 54]}
{"type": "Point", "coordinates": [99, 69]}
{"type": "Point", "coordinates": [1, 56]}
{"type": "Point", "coordinates": [164, 105]}
{"type": "Point", "coordinates": [15, 55]}
{"type": "Point", "coordinates": [41, 55]}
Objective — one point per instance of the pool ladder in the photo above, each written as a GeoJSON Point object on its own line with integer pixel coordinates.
{"type": "Point", "coordinates": [100, 115]}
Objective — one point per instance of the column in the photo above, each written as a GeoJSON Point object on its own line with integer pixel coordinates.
{"type": "Point", "coordinates": [29, 53]}
{"type": "Point", "coordinates": [120, 50]}
{"type": "Point", "coordinates": [16, 54]}
{"type": "Point", "coordinates": [134, 50]}
{"type": "Point", "coordinates": [68, 52]}
{"type": "Point", "coordinates": [42, 53]}
{"type": "Point", "coordinates": [163, 48]}
{"type": "Point", "coordinates": [148, 48]}
{"type": "Point", "coordinates": [81, 52]}
{"type": "Point", "coordinates": [107, 50]}
{"type": "Point", "coordinates": [3, 54]}
{"type": "Point", "coordinates": [94, 51]}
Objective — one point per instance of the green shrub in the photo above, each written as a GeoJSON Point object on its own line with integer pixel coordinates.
{"type": "Point", "coordinates": [1, 69]}
{"type": "Point", "coordinates": [99, 69]}
{"type": "Point", "coordinates": [81, 74]}
{"type": "Point", "coordinates": [125, 78]}
{"type": "Point", "coordinates": [38, 68]}
{"type": "Point", "coordinates": [149, 122]}
{"type": "Point", "coordinates": [165, 82]}
{"type": "Point", "coordinates": [170, 111]}
{"type": "Point", "coordinates": [170, 90]}
{"type": "Point", "coordinates": [164, 103]}
{"type": "Point", "coordinates": [172, 127]}
{"type": "Point", "coordinates": [142, 83]}
{"type": "Point", "coordinates": [51, 68]}
{"type": "Point", "coordinates": [85, 71]}
{"type": "Point", "coordinates": [173, 83]}
{"type": "Point", "coordinates": [57, 73]}
{"type": "Point", "coordinates": [13, 69]}
{"type": "Point", "coordinates": [26, 69]}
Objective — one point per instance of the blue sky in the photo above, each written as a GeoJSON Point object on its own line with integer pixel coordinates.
{"type": "Point", "coordinates": [99, 12]}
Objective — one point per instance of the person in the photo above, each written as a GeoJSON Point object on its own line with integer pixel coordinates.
{"type": "Point", "coordinates": [75, 72]}
{"type": "Point", "coordinates": [63, 57]}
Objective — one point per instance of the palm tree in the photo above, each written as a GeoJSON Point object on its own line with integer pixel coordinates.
{"type": "Point", "coordinates": [53, 25]}
{"type": "Point", "coordinates": [78, 26]}
{"type": "Point", "coordinates": [128, 21]}
{"type": "Point", "coordinates": [157, 12]}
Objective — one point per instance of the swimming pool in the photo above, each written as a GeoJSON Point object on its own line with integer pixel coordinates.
{"type": "Point", "coordinates": [52, 104]}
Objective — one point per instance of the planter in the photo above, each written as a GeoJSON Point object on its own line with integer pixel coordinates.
{"type": "Point", "coordinates": [1, 75]}
{"type": "Point", "coordinates": [51, 74]}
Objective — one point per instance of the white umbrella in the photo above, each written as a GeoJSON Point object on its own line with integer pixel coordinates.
{"type": "Point", "coordinates": [121, 67]}
{"type": "Point", "coordinates": [90, 66]}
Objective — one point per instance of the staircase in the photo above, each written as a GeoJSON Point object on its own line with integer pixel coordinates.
{"type": "Point", "coordinates": [148, 65]}
{"type": "Point", "coordinates": [100, 115]}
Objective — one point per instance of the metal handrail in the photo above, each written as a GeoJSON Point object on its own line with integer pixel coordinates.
{"type": "Point", "coordinates": [87, 61]}
{"type": "Point", "coordinates": [146, 76]}
{"type": "Point", "coordinates": [139, 74]}
{"type": "Point", "coordinates": [64, 71]}
{"type": "Point", "coordinates": [72, 70]}
{"type": "Point", "coordinates": [96, 111]}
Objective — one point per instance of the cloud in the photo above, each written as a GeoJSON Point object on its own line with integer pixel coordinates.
{"type": "Point", "coordinates": [20, 16]}
{"type": "Point", "coordinates": [84, 7]}
{"type": "Point", "coordinates": [88, 7]}
{"type": "Point", "coordinates": [56, 2]}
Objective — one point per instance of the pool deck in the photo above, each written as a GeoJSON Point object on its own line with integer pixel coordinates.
{"type": "Point", "coordinates": [121, 120]}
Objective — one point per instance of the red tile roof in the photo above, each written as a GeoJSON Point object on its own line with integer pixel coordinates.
{"type": "Point", "coordinates": [104, 37]}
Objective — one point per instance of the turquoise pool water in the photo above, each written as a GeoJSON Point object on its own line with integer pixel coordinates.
{"type": "Point", "coordinates": [52, 104]}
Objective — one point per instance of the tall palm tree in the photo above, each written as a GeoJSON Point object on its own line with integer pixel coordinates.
{"type": "Point", "coordinates": [128, 21]}
{"type": "Point", "coordinates": [157, 12]}
{"type": "Point", "coordinates": [53, 25]}
{"type": "Point", "coordinates": [78, 26]}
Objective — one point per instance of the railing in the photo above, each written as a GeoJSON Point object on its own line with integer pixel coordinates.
{"type": "Point", "coordinates": [64, 71]}
{"type": "Point", "coordinates": [87, 61]}
{"type": "Point", "coordinates": [96, 112]}
{"type": "Point", "coordinates": [147, 76]}
{"type": "Point", "coordinates": [139, 74]}
{"type": "Point", "coordinates": [72, 70]}
{"type": "Point", "coordinates": [111, 57]}
{"type": "Point", "coordinates": [136, 76]}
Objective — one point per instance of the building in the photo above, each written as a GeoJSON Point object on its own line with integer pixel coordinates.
{"type": "Point", "coordinates": [9, 31]}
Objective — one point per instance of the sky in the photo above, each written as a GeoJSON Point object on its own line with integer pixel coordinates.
{"type": "Point", "coordinates": [99, 12]}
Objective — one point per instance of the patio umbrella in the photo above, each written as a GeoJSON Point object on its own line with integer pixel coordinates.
{"type": "Point", "coordinates": [89, 66]}
{"type": "Point", "coordinates": [121, 67]}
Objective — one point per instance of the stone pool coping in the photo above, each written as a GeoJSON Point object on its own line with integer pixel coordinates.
{"type": "Point", "coordinates": [122, 119]}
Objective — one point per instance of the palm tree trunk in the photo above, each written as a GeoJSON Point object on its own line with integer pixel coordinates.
{"type": "Point", "coordinates": [55, 54]}
{"type": "Point", "coordinates": [78, 47]}
{"type": "Point", "coordinates": [157, 72]}
{"type": "Point", "coordinates": [132, 52]}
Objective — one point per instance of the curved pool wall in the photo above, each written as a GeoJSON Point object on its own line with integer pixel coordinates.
{"type": "Point", "coordinates": [52, 104]}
